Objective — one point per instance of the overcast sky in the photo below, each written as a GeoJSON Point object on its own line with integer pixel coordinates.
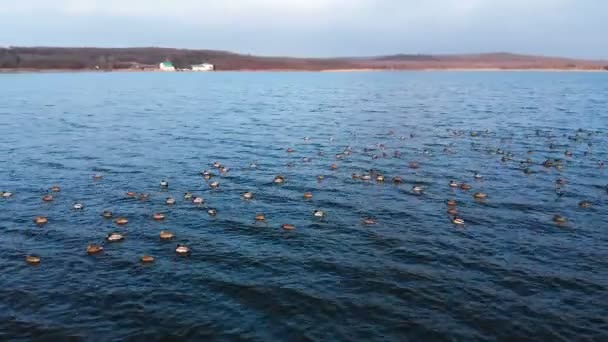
{"type": "Point", "coordinates": [574, 28]}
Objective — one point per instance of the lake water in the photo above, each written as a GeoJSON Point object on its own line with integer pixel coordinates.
{"type": "Point", "coordinates": [508, 272]}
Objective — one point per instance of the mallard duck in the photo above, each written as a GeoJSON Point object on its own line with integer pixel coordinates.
{"type": "Point", "coordinates": [94, 249]}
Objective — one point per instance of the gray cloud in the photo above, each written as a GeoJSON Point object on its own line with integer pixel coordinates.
{"type": "Point", "coordinates": [316, 27]}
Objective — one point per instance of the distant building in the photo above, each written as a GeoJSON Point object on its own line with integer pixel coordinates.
{"type": "Point", "coordinates": [166, 66]}
{"type": "Point", "coordinates": [203, 67]}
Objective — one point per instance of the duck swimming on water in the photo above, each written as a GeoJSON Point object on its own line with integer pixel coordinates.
{"type": "Point", "coordinates": [32, 259]}
{"type": "Point", "coordinates": [146, 259]}
{"type": "Point", "coordinates": [41, 220]}
{"type": "Point", "coordinates": [318, 213]}
{"type": "Point", "coordinates": [166, 235]}
{"type": "Point", "coordinates": [114, 237]}
{"type": "Point", "coordinates": [94, 249]}
{"type": "Point", "coordinates": [369, 221]}
{"type": "Point", "coordinates": [182, 250]}
{"type": "Point", "coordinates": [158, 216]}
{"type": "Point", "coordinates": [121, 221]}
{"type": "Point", "coordinates": [106, 214]}
{"type": "Point", "coordinates": [260, 217]}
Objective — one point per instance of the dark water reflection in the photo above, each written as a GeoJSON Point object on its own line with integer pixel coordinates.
{"type": "Point", "coordinates": [509, 272]}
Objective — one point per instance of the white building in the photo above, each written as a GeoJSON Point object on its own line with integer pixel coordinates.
{"type": "Point", "coordinates": [166, 66]}
{"type": "Point", "coordinates": [203, 67]}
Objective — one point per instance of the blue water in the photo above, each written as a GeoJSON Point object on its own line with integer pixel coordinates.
{"type": "Point", "coordinates": [509, 272]}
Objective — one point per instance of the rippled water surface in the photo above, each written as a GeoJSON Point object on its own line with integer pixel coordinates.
{"type": "Point", "coordinates": [508, 272]}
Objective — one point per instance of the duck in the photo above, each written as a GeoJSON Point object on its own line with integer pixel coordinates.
{"type": "Point", "coordinates": [97, 176]}
{"type": "Point", "coordinates": [334, 167]}
{"type": "Point", "coordinates": [164, 183]}
{"type": "Point", "coordinates": [94, 249]}
{"type": "Point", "coordinates": [170, 201]}
{"type": "Point", "coordinates": [559, 219]}
{"type": "Point", "coordinates": [397, 180]}
{"type": "Point", "coordinates": [214, 185]}
{"type": "Point", "coordinates": [320, 177]}
{"type": "Point", "coordinates": [480, 195]}
{"type": "Point", "coordinates": [369, 221]}
{"type": "Point", "coordinates": [207, 175]}
{"type": "Point", "coordinates": [453, 184]}
{"type": "Point", "coordinates": [47, 198]}
{"type": "Point", "coordinates": [212, 211]}
{"type": "Point", "coordinates": [465, 186]}
{"type": "Point", "coordinates": [318, 213]}
{"type": "Point", "coordinates": [584, 204]}
{"type": "Point", "coordinates": [166, 235]}
{"type": "Point", "coordinates": [187, 196]}
{"type": "Point", "coordinates": [279, 179]}
{"type": "Point", "coordinates": [217, 165]}
{"type": "Point", "coordinates": [182, 250]}
{"type": "Point", "coordinates": [568, 153]}
{"type": "Point", "coordinates": [452, 211]}
{"type": "Point", "coordinates": [198, 200]}
{"type": "Point", "coordinates": [380, 178]}
{"type": "Point", "coordinates": [77, 206]}
{"type": "Point", "coordinates": [114, 237]}
{"type": "Point", "coordinates": [55, 188]}
{"type": "Point", "coordinates": [417, 189]}
{"type": "Point", "coordinates": [290, 150]}
{"type": "Point", "coordinates": [121, 221]}
{"type": "Point", "coordinates": [146, 259]}
{"type": "Point", "coordinates": [260, 217]}
{"type": "Point", "coordinates": [131, 194]}
{"type": "Point", "coordinates": [247, 195]}
{"type": "Point", "coordinates": [158, 216]}
{"type": "Point", "coordinates": [414, 165]}
{"type": "Point", "coordinates": [32, 259]}
{"type": "Point", "coordinates": [287, 226]}
{"type": "Point", "coordinates": [451, 203]}
{"type": "Point", "coordinates": [106, 214]}
{"type": "Point", "coordinates": [308, 195]}
{"type": "Point", "coordinates": [41, 220]}
{"type": "Point", "coordinates": [6, 194]}
{"type": "Point", "coordinates": [253, 165]}
{"type": "Point", "coordinates": [457, 220]}
{"type": "Point", "coordinates": [366, 177]}
{"type": "Point", "coordinates": [355, 176]}
{"type": "Point", "coordinates": [143, 196]}
{"type": "Point", "coordinates": [224, 169]}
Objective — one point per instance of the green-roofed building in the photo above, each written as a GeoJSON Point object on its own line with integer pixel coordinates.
{"type": "Point", "coordinates": [167, 66]}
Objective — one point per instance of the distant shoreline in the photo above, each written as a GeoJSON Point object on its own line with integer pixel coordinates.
{"type": "Point", "coordinates": [346, 70]}
{"type": "Point", "coordinates": [90, 59]}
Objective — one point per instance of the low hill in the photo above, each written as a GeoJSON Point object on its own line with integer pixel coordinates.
{"type": "Point", "coordinates": [86, 58]}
